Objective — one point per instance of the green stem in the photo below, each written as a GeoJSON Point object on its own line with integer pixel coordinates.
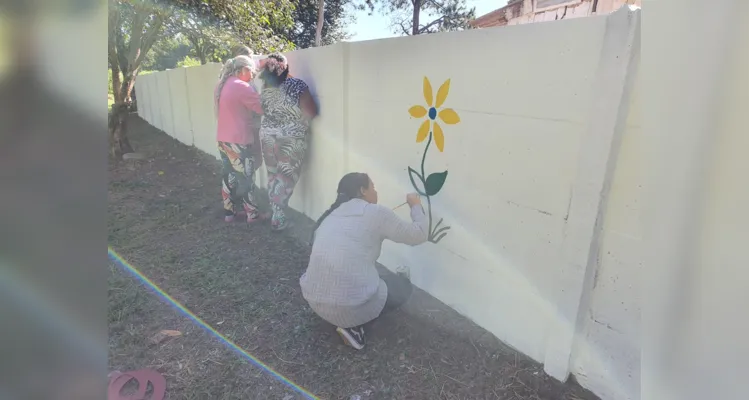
{"type": "Point", "coordinates": [424, 157]}
{"type": "Point", "coordinates": [424, 178]}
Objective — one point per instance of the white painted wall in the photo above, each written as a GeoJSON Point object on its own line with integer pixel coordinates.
{"type": "Point", "coordinates": [201, 82]}
{"type": "Point", "coordinates": [695, 205]}
{"type": "Point", "coordinates": [607, 352]}
{"type": "Point", "coordinates": [180, 105]}
{"type": "Point", "coordinates": [542, 109]}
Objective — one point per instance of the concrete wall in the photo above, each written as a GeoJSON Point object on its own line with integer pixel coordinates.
{"type": "Point", "coordinates": [200, 100]}
{"type": "Point", "coordinates": [695, 206]}
{"type": "Point", "coordinates": [612, 323]}
{"type": "Point", "coordinates": [182, 127]}
{"type": "Point", "coordinates": [544, 114]}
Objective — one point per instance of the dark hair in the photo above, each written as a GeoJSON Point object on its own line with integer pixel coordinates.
{"type": "Point", "coordinates": [349, 187]}
{"type": "Point", "coordinates": [271, 78]}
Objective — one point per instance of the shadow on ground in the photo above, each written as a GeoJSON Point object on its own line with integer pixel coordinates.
{"type": "Point", "coordinates": [165, 218]}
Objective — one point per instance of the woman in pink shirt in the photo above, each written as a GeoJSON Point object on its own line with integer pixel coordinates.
{"type": "Point", "coordinates": [238, 112]}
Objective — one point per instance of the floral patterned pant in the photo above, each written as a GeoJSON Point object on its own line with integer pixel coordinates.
{"type": "Point", "coordinates": [283, 156]}
{"type": "Point", "coordinates": [238, 178]}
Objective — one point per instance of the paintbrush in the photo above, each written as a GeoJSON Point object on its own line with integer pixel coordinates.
{"type": "Point", "coordinates": [400, 205]}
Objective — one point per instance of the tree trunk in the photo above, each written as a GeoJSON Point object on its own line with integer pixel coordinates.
{"type": "Point", "coordinates": [199, 49]}
{"type": "Point", "coordinates": [138, 46]}
{"type": "Point", "coordinates": [127, 86]}
{"type": "Point", "coordinates": [320, 22]}
{"type": "Point", "coordinates": [201, 52]}
{"type": "Point", "coordinates": [415, 20]}
{"type": "Point", "coordinates": [118, 116]}
{"type": "Point", "coordinates": [119, 144]}
{"type": "Point", "coordinates": [117, 85]}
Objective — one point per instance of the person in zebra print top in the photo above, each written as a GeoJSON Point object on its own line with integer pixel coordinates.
{"type": "Point", "coordinates": [288, 108]}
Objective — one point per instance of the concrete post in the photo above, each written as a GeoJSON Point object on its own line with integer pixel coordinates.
{"type": "Point", "coordinates": [596, 165]}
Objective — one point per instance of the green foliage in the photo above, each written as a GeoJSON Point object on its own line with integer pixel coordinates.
{"type": "Point", "coordinates": [250, 22]}
{"type": "Point", "coordinates": [188, 62]}
{"type": "Point", "coordinates": [440, 15]}
{"type": "Point", "coordinates": [135, 26]}
{"type": "Point", "coordinates": [336, 19]}
{"type": "Point", "coordinates": [208, 39]}
{"type": "Point", "coordinates": [166, 53]}
{"type": "Point", "coordinates": [206, 30]}
{"type": "Point", "coordinates": [109, 73]}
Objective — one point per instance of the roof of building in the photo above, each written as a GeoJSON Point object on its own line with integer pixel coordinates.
{"type": "Point", "coordinates": [499, 16]}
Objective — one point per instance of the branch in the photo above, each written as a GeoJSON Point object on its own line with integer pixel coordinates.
{"type": "Point", "coordinates": [436, 5]}
{"type": "Point", "coordinates": [431, 24]}
{"type": "Point", "coordinates": [114, 61]}
{"type": "Point", "coordinates": [405, 31]}
{"type": "Point", "coordinates": [136, 33]}
{"type": "Point", "coordinates": [149, 39]}
{"type": "Point", "coordinates": [114, 24]}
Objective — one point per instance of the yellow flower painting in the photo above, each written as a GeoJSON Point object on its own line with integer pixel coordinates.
{"type": "Point", "coordinates": [430, 129]}
{"type": "Point", "coordinates": [433, 112]}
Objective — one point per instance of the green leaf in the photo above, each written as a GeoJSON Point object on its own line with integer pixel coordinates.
{"type": "Point", "coordinates": [411, 173]}
{"type": "Point", "coordinates": [434, 183]}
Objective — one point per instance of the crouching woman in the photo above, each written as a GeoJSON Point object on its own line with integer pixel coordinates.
{"type": "Point", "coordinates": [341, 283]}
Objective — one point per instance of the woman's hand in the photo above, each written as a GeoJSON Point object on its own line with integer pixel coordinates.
{"type": "Point", "coordinates": [413, 199]}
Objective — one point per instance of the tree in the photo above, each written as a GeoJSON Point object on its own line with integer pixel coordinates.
{"type": "Point", "coordinates": [134, 26]}
{"type": "Point", "coordinates": [211, 39]}
{"type": "Point", "coordinates": [166, 53]}
{"type": "Point", "coordinates": [320, 22]}
{"type": "Point", "coordinates": [446, 15]}
{"type": "Point", "coordinates": [306, 16]}
{"type": "Point", "coordinates": [251, 22]}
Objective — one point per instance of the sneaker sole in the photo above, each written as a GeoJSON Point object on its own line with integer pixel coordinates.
{"type": "Point", "coordinates": [348, 339]}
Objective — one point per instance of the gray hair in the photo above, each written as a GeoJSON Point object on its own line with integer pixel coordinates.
{"type": "Point", "coordinates": [231, 68]}
{"type": "Point", "coordinates": [243, 51]}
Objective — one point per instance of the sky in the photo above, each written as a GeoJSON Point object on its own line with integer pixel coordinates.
{"type": "Point", "coordinates": [377, 26]}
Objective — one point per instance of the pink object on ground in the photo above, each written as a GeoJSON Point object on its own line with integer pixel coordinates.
{"type": "Point", "coordinates": [229, 218]}
{"type": "Point", "coordinates": [118, 380]}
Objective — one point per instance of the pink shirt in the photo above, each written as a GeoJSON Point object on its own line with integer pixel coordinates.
{"type": "Point", "coordinates": [238, 109]}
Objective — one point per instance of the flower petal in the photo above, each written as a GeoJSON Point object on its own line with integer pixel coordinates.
{"type": "Point", "coordinates": [449, 116]}
{"type": "Point", "coordinates": [439, 137]}
{"type": "Point", "coordinates": [417, 111]}
{"type": "Point", "coordinates": [442, 93]}
{"type": "Point", "coordinates": [428, 92]}
{"type": "Point", "coordinates": [423, 132]}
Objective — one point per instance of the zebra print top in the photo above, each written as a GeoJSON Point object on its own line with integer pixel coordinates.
{"type": "Point", "coordinates": [282, 112]}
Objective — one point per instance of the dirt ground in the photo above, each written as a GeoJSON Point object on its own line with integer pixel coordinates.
{"type": "Point", "coordinates": [165, 218]}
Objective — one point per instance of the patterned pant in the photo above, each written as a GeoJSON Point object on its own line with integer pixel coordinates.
{"type": "Point", "coordinates": [238, 180]}
{"type": "Point", "coordinates": [283, 157]}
